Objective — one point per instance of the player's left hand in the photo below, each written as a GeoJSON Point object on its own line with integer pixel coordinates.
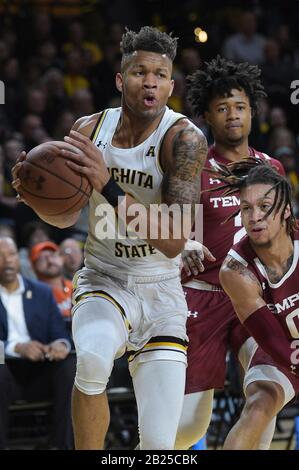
{"type": "Point", "coordinates": [193, 256]}
{"type": "Point", "coordinates": [88, 161]}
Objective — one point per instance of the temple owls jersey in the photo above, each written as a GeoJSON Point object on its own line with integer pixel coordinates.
{"type": "Point", "coordinates": [218, 236]}
{"type": "Point", "coordinates": [282, 297]}
{"type": "Point", "coordinates": [137, 171]}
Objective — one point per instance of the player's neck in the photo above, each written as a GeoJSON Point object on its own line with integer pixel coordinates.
{"type": "Point", "coordinates": [232, 153]}
{"type": "Point", "coordinates": [132, 131]}
{"type": "Point", "coordinates": [279, 255]}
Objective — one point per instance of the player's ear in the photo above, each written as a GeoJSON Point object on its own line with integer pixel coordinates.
{"type": "Point", "coordinates": [171, 88]}
{"type": "Point", "coordinates": [207, 117]}
{"type": "Point", "coordinates": [119, 82]}
{"type": "Point", "coordinates": [287, 212]}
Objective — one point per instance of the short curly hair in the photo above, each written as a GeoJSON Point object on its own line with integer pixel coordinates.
{"type": "Point", "coordinates": [219, 78]}
{"type": "Point", "coordinates": [148, 39]}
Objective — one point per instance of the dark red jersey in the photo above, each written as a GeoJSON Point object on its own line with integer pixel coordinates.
{"type": "Point", "coordinates": [219, 237]}
{"type": "Point", "coordinates": [282, 298]}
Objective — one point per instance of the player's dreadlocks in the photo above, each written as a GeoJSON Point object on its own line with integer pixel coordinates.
{"type": "Point", "coordinates": [148, 39]}
{"type": "Point", "coordinates": [250, 171]}
{"type": "Point", "coordinates": [219, 78]}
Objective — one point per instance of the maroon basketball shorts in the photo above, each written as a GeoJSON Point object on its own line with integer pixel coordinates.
{"type": "Point", "coordinates": [260, 358]}
{"type": "Point", "coordinates": [213, 328]}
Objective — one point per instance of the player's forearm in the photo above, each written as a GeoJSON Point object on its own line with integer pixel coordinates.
{"type": "Point", "coordinates": [60, 221]}
{"type": "Point", "coordinates": [271, 337]}
{"type": "Point", "coordinates": [162, 232]}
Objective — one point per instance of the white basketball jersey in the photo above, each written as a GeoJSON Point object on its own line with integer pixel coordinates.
{"type": "Point", "coordinates": [137, 171]}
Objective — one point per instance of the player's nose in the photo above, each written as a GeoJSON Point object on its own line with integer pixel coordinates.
{"type": "Point", "coordinates": [256, 214]}
{"type": "Point", "coordinates": [150, 81]}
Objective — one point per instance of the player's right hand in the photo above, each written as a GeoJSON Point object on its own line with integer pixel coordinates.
{"type": "Point", "coordinates": [16, 182]}
{"type": "Point", "coordinates": [193, 256]}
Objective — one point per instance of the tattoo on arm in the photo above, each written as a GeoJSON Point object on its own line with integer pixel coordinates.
{"type": "Point", "coordinates": [182, 182]}
{"type": "Point", "coordinates": [234, 265]}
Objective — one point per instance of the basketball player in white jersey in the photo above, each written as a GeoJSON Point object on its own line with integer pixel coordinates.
{"type": "Point", "coordinates": [128, 295]}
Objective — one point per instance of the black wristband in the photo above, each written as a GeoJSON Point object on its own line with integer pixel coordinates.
{"type": "Point", "coordinates": [111, 191]}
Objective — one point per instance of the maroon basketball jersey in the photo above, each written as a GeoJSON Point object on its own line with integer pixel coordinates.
{"type": "Point", "coordinates": [219, 237]}
{"type": "Point", "coordinates": [282, 298]}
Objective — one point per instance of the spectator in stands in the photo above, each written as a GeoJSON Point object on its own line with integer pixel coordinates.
{"type": "Point", "coordinates": [38, 364]}
{"type": "Point", "coordinates": [47, 264]}
{"type": "Point", "coordinates": [102, 75]}
{"type": "Point", "coordinates": [35, 232]}
{"type": "Point", "coordinates": [177, 100]}
{"type": "Point", "coordinates": [247, 45]}
{"type": "Point", "coordinates": [36, 103]}
{"type": "Point", "coordinates": [40, 31]}
{"type": "Point", "coordinates": [81, 103]}
{"type": "Point", "coordinates": [14, 89]}
{"type": "Point", "coordinates": [7, 231]}
{"type": "Point", "coordinates": [276, 74]}
{"type": "Point", "coordinates": [277, 118]}
{"type": "Point", "coordinates": [33, 131]}
{"type": "Point", "coordinates": [189, 60]}
{"type": "Point", "coordinates": [5, 51]}
{"type": "Point", "coordinates": [48, 56]}
{"type": "Point", "coordinates": [74, 79]}
{"type": "Point", "coordinates": [77, 40]}
{"type": "Point", "coordinates": [286, 43]}
{"type": "Point", "coordinates": [57, 103]}
{"type": "Point", "coordinates": [12, 148]}
{"type": "Point", "coordinates": [287, 156]}
{"type": "Point", "coordinates": [281, 137]}
{"type": "Point", "coordinates": [31, 72]}
{"type": "Point", "coordinates": [32, 233]}
{"type": "Point", "coordinates": [71, 252]}
{"type": "Point", "coordinates": [64, 124]}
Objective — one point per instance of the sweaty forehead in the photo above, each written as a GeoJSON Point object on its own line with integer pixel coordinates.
{"type": "Point", "coordinates": [234, 95]}
{"type": "Point", "coordinates": [256, 192]}
{"type": "Point", "coordinates": [147, 58]}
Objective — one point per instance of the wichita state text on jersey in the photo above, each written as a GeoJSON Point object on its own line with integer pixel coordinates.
{"type": "Point", "coordinates": [137, 171]}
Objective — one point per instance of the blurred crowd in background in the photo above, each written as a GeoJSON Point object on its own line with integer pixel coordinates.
{"type": "Point", "coordinates": [58, 62]}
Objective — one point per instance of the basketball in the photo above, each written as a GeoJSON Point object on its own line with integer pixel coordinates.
{"type": "Point", "coordinates": [49, 186]}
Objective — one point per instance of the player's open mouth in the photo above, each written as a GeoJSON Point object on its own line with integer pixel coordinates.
{"type": "Point", "coordinates": [257, 230]}
{"type": "Point", "coordinates": [149, 100]}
